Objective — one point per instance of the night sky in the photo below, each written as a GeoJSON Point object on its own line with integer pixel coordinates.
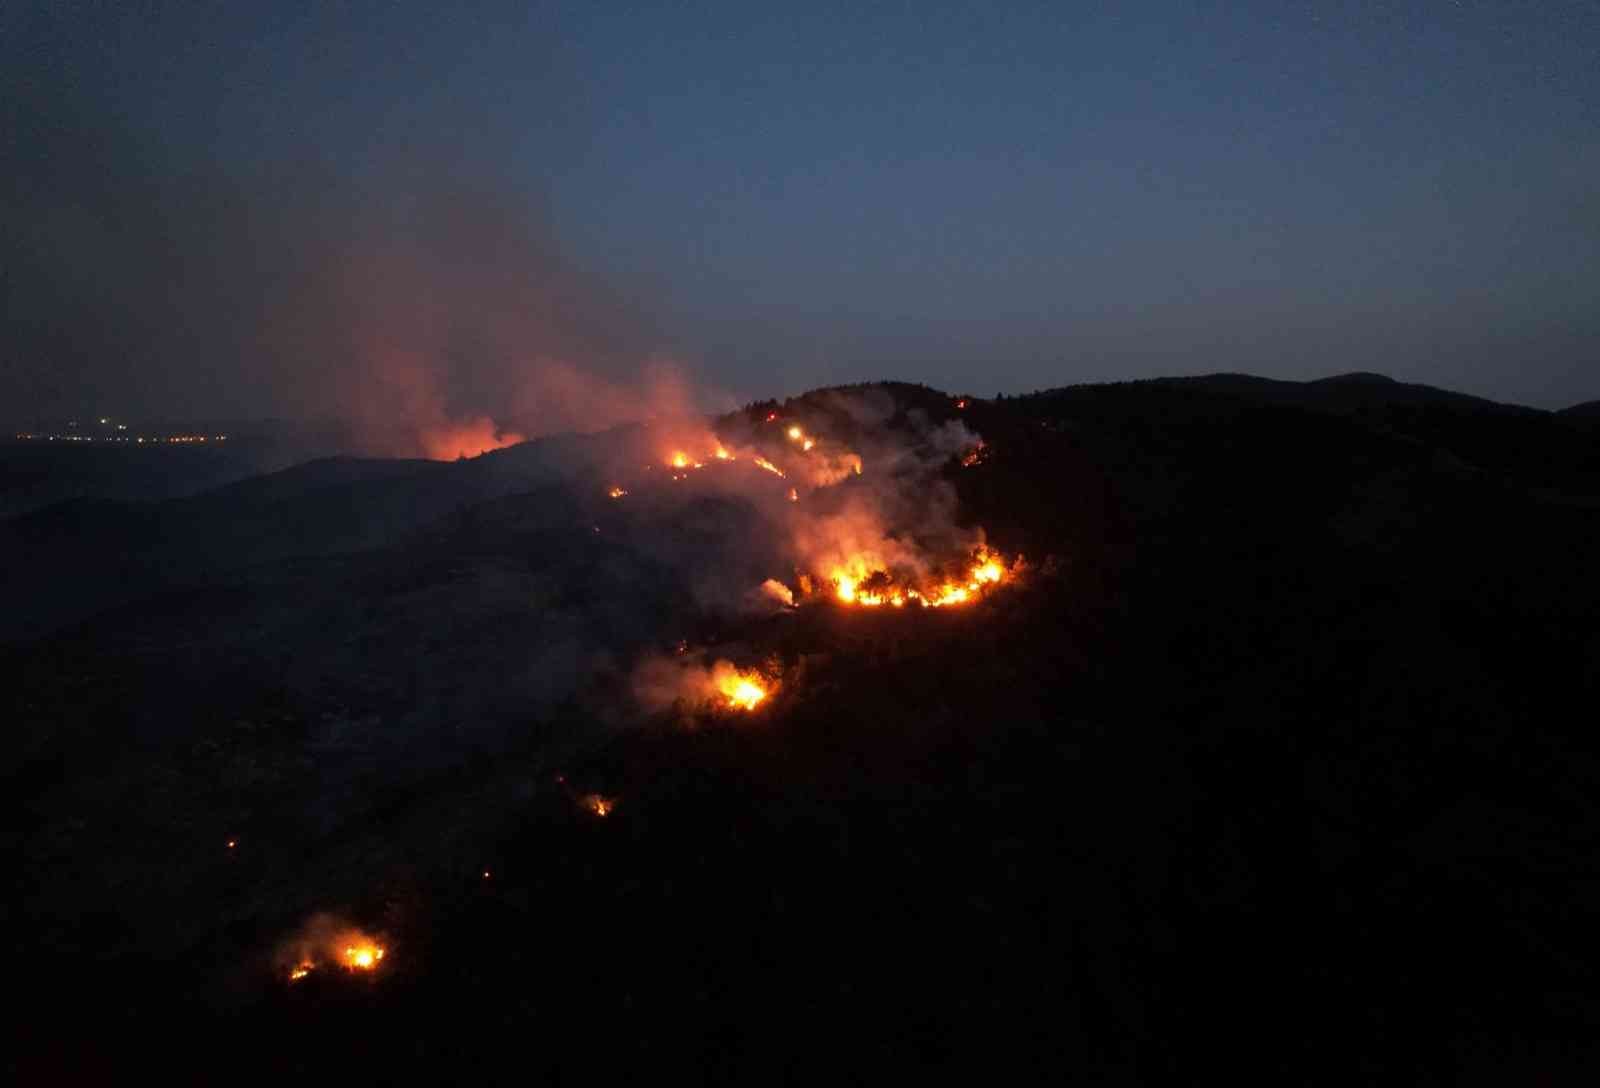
{"type": "Point", "coordinates": [255, 209]}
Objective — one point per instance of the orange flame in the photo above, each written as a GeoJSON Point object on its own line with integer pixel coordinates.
{"type": "Point", "coordinates": [616, 492]}
{"type": "Point", "coordinates": [348, 948]}
{"type": "Point", "coordinates": [986, 571]}
{"type": "Point", "coordinates": [741, 689]}
{"type": "Point", "coordinates": [743, 693]}
{"type": "Point", "coordinates": [363, 956]}
{"type": "Point", "coordinates": [762, 462]}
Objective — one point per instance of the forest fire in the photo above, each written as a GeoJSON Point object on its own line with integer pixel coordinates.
{"type": "Point", "coordinates": [889, 540]}
{"type": "Point", "coordinates": [806, 441]}
{"type": "Point", "coordinates": [683, 462]}
{"type": "Point", "coordinates": [739, 689]}
{"type": "Point", "coordinates": [616, 493]}
{"type": "Point", "coordinates": [327, 942]}
{"type": "Point", "coordinates": [687, 685]}
{"type": "Point", "coordinates": [825, 464]}
{"type": "Point", "coordinates": [362, 957]}
{"type": "Point", "coordinates": [598, 804]}
{"type": "Point", "coordinates": [879, 587]}
{"type": "Point", "coordinates": [743, 692]}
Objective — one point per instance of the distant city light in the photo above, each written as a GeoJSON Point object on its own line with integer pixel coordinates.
{"type": "Point", "coordinates": [172, 439]}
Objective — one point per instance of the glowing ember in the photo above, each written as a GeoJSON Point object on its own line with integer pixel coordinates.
{"type": "Point", "coordinates": [762, 462]}
{"type": "Point", "coordinates": [232, 843]}
{"type": "Point", "coordinates": [807, 444]}
{"type": "Point", "coordinates": [796, 433]}
{"type": "Point", "coordinates": [794, 496]}
{"type": "Point", "coordinates": [616, 492]}
{"type": "Point", "coordinates": [301, 970]}
{"type": "Point", "coordinates": [598, 804]}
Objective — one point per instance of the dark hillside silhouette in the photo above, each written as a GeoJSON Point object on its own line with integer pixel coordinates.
{"type": "Point", "coordinates": [1274, 761]}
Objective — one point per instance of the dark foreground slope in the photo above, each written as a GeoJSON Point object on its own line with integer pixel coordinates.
{"type": "Point", "coordinates": [1278, 761]}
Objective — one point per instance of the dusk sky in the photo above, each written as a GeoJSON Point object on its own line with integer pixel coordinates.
{"type": "Point", "coordinates": [254, 209]}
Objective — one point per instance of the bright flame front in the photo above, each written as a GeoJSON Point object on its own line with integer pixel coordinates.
{"type": "Point", "coordinates": [362, 957]}
{"type": "Point", "coordinates": [850, 585]}
{"type": "Point", "coordinates": [345, 947]}
{"type": "Point", "coordinates": [744, 693]}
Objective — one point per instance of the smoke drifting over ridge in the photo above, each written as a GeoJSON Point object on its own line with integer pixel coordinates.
{"type": "Point", "coordinates": [461, 327]}
{"type": "Point", "coordinates": [432, 317]}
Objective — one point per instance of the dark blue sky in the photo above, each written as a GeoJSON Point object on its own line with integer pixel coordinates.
{"type": "Point", "coordinates": [989, 200]}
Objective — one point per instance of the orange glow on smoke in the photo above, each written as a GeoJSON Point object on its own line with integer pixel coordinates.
{"type": "Point", "coordinates": [470, 439]}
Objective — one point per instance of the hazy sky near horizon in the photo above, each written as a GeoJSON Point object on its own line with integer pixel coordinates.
{"type": "Point", "coordinates": [279, 208]}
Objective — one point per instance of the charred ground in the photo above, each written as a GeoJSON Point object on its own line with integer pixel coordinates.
{"type": "Point", "coordinates": [1278, 757]}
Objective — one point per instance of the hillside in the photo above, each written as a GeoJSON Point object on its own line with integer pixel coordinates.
{"type": "Point", "coordinates": [1263, 757]}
